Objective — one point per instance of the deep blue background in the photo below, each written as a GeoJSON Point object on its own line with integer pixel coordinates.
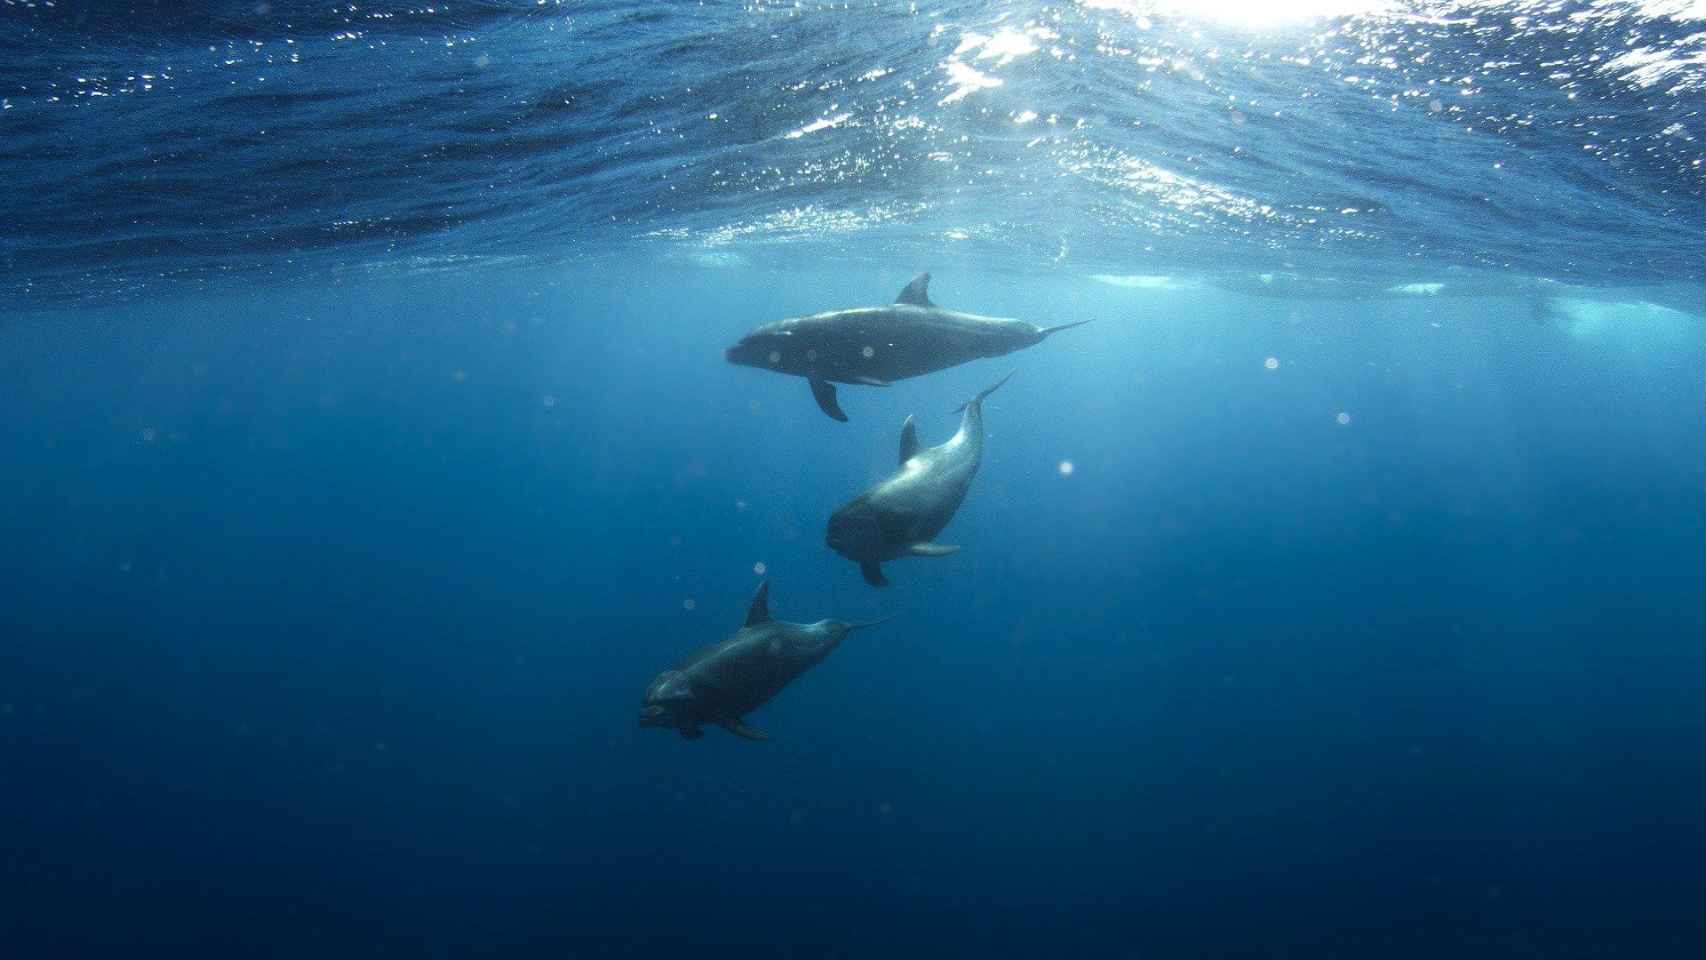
{"type": "Point", "coordinates": [324, 632]}
{"type": "Point", "coordinates": [366, 446]}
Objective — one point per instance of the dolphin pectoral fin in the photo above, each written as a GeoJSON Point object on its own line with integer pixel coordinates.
{"type": "Point", "coordinates": [908, 441]}
{"type": "Point", "coordinates": [743, 731]}
{"type": "Point", "coordinates": [916, 293]}
{"type": "Point", "coordinates": [1064, 326]}
{"type": "Point", "coordinates": [873, 572]}
{"type": "Point", "coordinates": [824, 393]}
{"type": "Point", "coordinates": [931, 549]}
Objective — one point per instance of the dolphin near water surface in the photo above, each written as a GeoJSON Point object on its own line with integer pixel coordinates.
{"type": "Point", "coordinates": [876, 346]}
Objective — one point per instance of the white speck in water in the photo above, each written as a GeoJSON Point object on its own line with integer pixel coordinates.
{"type": "Point", "coordinates": [1066, 468]}
{"type": "Point", "coordinates": [548, 400]}
{"type": "Point", "coordinates": [688, 604]}
{"type": "Point", "coordinates": [1272, 363]}
{"type": "Point", "coordinates": [149, 434]}
{"type": "Point", "coordinates": [868, 352]}
{"type": "Point", "coordinates": [759, 568]}
{"type": "Point", "coordinates": [740, 504]}
{"type": "Point", "coordinates": [1344, 419]}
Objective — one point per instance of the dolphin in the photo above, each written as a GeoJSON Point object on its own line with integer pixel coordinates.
{"type": "Point", "coordinates": [721, 683]}
{"type": "Point", "coordinates": [875, 346]}
{"type": "Point", "coordinates": [900, 514]}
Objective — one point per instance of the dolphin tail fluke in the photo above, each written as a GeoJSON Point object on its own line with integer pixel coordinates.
{"type": "Point", "coordinates": [873, 573]}
{"type": "Point", "coordinates": [1064, 326]}
{"type": "Point", "coordinates": [986, 391]}
{"type": "Point", "coordinates": [824, 393]}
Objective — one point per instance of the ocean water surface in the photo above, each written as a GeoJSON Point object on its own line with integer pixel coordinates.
{"type": "Point", "coordinates": [367, 445]}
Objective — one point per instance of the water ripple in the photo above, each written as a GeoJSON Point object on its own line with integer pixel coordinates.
{"type": "Point", "coordinates": [294, 139]}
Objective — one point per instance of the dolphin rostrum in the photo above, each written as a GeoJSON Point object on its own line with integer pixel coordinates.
{"type": "Point", "coordinates": [721, 683]}
{"type": "Point", "coordinates": [899, 515]}
{"type": "Point", "coordinates": [875, 346]}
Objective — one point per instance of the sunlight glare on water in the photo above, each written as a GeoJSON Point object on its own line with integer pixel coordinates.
{"type": "Point", "coordinates": [1252, 14]}
{"type": "Point", "coordinates": [1128, 138]}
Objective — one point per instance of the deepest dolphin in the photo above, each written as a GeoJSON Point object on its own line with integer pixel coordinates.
{"type": "Point", "coordinates": [899, 516]}
{"type": "Point", "coordinates": [875, 346]}
{"type": "Point", "coordinates": [721, 683]}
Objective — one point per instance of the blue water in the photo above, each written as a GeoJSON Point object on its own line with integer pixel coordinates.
{"type": "Point", "coordinates": [368, 446]}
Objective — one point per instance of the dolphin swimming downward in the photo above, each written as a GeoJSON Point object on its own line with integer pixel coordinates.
{"type": "Point", "coordinates": [899, 515]}
{"type": "Point", "coordinates": [877, 345]}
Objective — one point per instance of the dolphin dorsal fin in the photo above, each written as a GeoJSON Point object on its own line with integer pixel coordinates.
{"type": "Point", "coordinates": [759, 612]}
{"type": "Point", "coordinates": [908, 441]}
{"type": "Point", "coordinates": [917, 293]}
